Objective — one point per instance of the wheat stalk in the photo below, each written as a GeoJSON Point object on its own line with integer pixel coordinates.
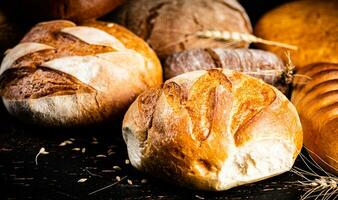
{"type": "Point", "coordinates": [317, 186]}
{"type": "Point", "coordinates": [236, 36]}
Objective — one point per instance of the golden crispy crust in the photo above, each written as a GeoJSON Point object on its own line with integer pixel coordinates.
{"type": "Point", "coordinates": [154, 69]}
{"type": "Point", "coordinates": [317, 104]}
{"type": "Point", "coordinates": [309, 24]}
{"type": "Point", "coordinates": [57, 58]}
{"type": "Point", "coordinates": [198, 122]}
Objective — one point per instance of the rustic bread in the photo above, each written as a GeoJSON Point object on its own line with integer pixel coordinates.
{"type": "Point", "coordinates": [76, 10]}
{"type": "Point", "coordinates": [170, 26]}
{"type": "Point", "coordinates": [61, 74]}
{"type": "Point", "coordinates": [311, 25]}
{"type": "Point", "coordinates": [212, 130]}
{"type": "Point", "coordinates": [257, 63]}
{"type": "Point", "coordinates": [317, 105]}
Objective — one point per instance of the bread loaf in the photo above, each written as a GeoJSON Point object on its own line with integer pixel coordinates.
{"type": "Point", "coordinates": [317, 105]}
{"type": "Point", "coordinates": [61, 74]}
{"type": "Point", "coordinates": [257, 63]}
{"type": "Point", "coordinates": [212, 130]}
{"type": "Point", "coordinates": [170, 26]}
{"type": "Point", "coordinates": [76, 10]}
{"type": "Point", "coordinates": [311, 25]}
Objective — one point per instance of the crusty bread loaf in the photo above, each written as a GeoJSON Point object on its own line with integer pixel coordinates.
{"type": "Point", "coordinates": [170, 26]}
{"type": "Point", "coordinates": [61, 74]}
{"type": "Point", "coordinates": [75, 10]}
{"type": "Point", "coordinates": [256, 63]}
{"type": "Point", "coordinates": [212, 130]}
{"type": "Point", "coordinates": [311, 25]}
{"type": "Point", "coordinates": [317, 105]}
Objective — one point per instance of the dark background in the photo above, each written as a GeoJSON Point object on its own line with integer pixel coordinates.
{"type": "Point", "coordinates": [56, 175]}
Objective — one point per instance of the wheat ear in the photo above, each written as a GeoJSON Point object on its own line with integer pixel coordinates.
{"type": "Point", "coordinates": [317, 185]}
{"type": "Point", "coordinates": [289, 75]}
{"type": "Point", "coordinates": [236, 36]}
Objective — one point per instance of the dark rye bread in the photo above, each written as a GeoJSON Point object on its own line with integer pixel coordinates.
{"type": "Point", "coordinates": [170, 26]}
{"type": "Point", "coordinates": [260, 64]}
{"type": "Point", "coordinates": [30, 80]}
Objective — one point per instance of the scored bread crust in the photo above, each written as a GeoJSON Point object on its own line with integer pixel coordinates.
{"type": "Point", "coordinates": [170, 26]}
{"type": "Point", "coordinates": [212, 130]}
{"type": "Point", "coordinates": [317, 105]}
{"type": "Point", "coordinates": [61, 74]}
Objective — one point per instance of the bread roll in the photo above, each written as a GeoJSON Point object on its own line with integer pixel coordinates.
{"type": "Point", "coordinates": [257, 63]}
{"type": "Point", "coordinates": [311, 25]}
{"type": "Point", "coordinates": [170, 26]}
{"type": "Point", "coordinates": [61, 74]}
{"type": "Point", "coordinates": [212, 130]}
{"type": "Point", "coordinates": [76, 10]}
{"type": "Point", "coordinates": [317, 105]}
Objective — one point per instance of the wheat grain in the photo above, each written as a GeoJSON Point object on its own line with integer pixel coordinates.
{"type": "Point", "coordinates": [241, 37]}
{"type": "Point", "coordinates": [41, 152]}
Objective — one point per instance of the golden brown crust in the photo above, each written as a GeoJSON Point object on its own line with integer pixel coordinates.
{"type": "Point", "coordinates": [100, 61]}
{"type": "Point", "coordinates": [250, 103]}
{"type": "Point", "coordinates": [64, 44]}
{"type": "Point", "coordinates": [310, 25]}
{"type": "Point", "coordinates": [201, 120]}
{"type": "Point", "coordinates": [135, 43]}
{"type": "Point", "coordinates": [36, 81]}
{"type": "Point", "coordinates": [43, 82]}
{"type": "Point", "coordinates": [317, 104]}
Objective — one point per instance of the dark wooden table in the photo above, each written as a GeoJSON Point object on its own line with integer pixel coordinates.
{"type": "Point", "coordinates": [57, 174]}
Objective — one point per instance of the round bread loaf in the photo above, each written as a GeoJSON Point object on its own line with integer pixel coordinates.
{"type": "Point", "coordinates": [311, 25]}
{"type": "Point", "coordinates": [61, 74]}
{"type": "Point", "coordinates": [170, 26]}
{"type": "Point", "coordinates": [212, 130]}
{"type": "Point", "coordinates": [317, 105]}
{"type": "Point", "coordinates": [76, 10]}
